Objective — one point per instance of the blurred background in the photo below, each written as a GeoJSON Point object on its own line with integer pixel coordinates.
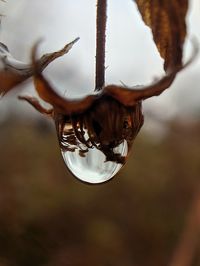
{"type": "Point", "coordinates": [49, 218]}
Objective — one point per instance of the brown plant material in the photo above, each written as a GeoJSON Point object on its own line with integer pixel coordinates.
{"type": "Point", "coordinates": [126, 96]}
{"type": "Point", "coordinates": [15, 72]}
{"type": "Point", "coordinates": [167, 22]}
{"type": "Point", "coordinates": [100, 44]}
{"type": "Point", "coordinates": [70, 110]}
{"type": "Point", "coordinates": [90, 130]}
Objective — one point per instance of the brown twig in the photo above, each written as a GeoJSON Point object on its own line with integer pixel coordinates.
{"type": "Point", "coordinates": [100, 43]}
{"type": "Point", "coordinates": [186, 249]}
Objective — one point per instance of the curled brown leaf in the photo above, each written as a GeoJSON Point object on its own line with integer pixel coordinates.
{"type": "Point", "coordinates": [166, 18]}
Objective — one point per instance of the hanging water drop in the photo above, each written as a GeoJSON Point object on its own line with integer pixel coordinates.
{"type": "Point", "coordinates": [95, 144]}
{"type": "Point", "coordinates": [92, 166]}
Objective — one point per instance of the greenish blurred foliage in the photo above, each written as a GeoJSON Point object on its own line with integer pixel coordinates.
{"type": "Point", "coordinates": [49, 218]}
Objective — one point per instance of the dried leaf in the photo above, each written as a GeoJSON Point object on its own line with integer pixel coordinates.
{"type": "Point", "coordinates": [15, 72]}
{"type": "Point", "coordinates": [166, 18]}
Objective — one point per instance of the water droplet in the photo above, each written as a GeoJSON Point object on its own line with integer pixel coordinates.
{"type": "Point", "coordinates": [93, 167]}
{"type": "Point", "coordinates": [94, 144]}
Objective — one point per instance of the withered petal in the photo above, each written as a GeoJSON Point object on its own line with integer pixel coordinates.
{"type": "Point", "coordinates": [59, 103]}
{"type": "Point", "coordinates": [14, 72]}
{"type": "Point", "coordinates": [36, 104]}
{"type": "Point", "coordinates": [126, 96]}
{"type": "Point", "coordinates": [130, 96]}
{"type": "Point", "coordinates": [48, 94]}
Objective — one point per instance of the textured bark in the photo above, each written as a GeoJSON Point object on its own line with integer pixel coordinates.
{"type": "Point", "coordinates": [100, 43]}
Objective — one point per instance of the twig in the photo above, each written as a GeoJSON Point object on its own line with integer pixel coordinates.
{"type": "Point", "coordinates": [186, 249]}
{"type": "Point", "coordinates": [100, 43]}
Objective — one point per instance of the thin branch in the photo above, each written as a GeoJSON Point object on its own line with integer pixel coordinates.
{"type": "Point", "coordinates": [186, 249]}
{"type": "Point", "coordinates": [100, 43]}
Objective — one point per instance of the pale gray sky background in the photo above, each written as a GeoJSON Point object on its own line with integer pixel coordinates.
{"type": "Point", "coordinates": [131, 55]}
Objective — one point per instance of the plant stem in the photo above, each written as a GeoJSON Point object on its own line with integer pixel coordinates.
{"type": "Point", "coordinates": [187, 249]}
{"type": "Point", "coordinates": [100, 44]}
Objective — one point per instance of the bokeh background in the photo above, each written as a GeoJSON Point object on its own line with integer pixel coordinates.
{"type": "Point", "coordinates": [49, 218]}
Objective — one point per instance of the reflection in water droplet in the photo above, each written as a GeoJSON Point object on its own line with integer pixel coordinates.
{"type": "Point", "coordinates": [93, 167]}
{"type": "Point", "coordinates": [95, 143]}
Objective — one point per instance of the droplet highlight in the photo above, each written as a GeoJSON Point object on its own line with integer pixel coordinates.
{"type": "Point", "coordinates": [93, 167]}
